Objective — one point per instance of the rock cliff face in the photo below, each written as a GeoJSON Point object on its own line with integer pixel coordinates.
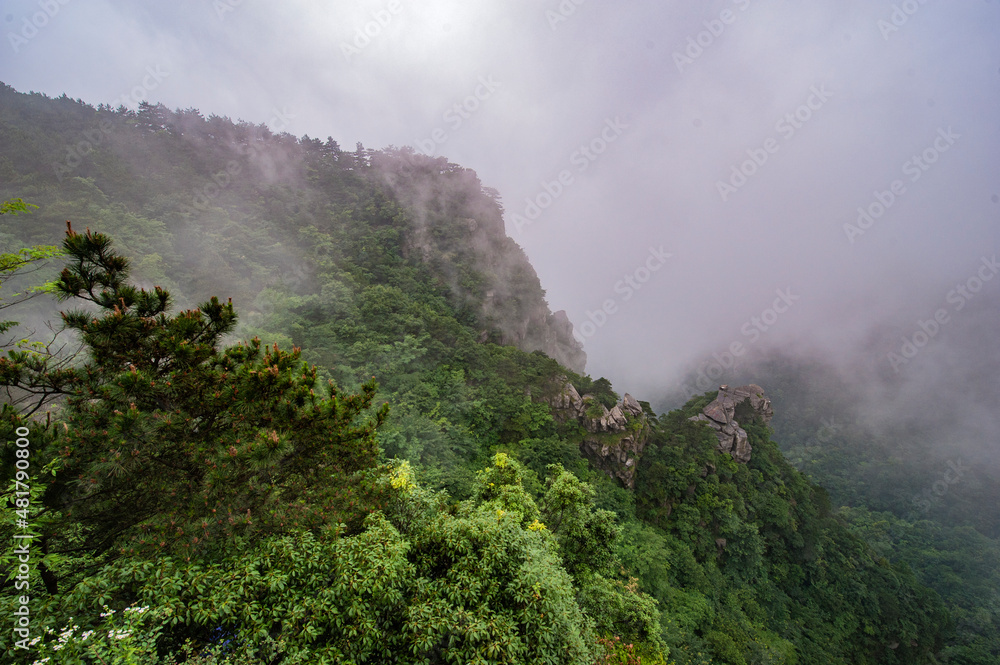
{"type": "Point", "coordinates": [540, 330]}
{"type": "Point", "coordinates": [455, 225]}
{"type": "Point", "coordinates": [721, 416]}
{"type": "Point", "coordinates": [615, 438]}
{"type": "Point", "coordinates": [560, 344]}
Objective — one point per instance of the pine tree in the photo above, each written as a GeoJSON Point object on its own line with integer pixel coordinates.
{"type": "Point", "coordinates": [170, 443]}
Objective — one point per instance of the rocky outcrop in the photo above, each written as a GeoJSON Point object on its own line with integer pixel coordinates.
{"type": "Point", "coordinates": [567, 402]}
{"type": "Point", "coordinates": [721, 416]}
{"type": "Point", "coordinates": [561, 345]}
{"type": "Point", "coordinates": [539, 330]}
{"type": "Point", "coordinates": [615, 438]}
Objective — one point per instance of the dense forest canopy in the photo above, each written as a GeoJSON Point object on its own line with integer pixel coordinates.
{"type": "Point", "coordinates": [320, 411]}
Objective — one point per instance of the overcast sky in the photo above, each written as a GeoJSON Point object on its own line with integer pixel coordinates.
{"type": "Point", "coordinates": [739, 137]}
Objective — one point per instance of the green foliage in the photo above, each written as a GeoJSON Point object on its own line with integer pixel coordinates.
{"type": "Point", "coordinates": [12, 262]}
{"type": "Point", "coordinates": [130, 639]}
{"type": "Point", "coordinates": [14, 266]}
{"type": "Point", "coordinates": [500, 486]}
{"type": "Point", "coordinates": [586, 535]}
{"type": "Point", "coordinates": [473, 586]}
{"type": "Point", "coordinates": [621, 609]}
{"type": "Point", "coordinates": [170, 444]}
{"type": "Point", "coordinates": [587, 538]}
{"type": "Point", "coordinates": [600, 390]}
{"type": "Point", "coordinates": [959, 563]}
{"type": "Point", "coordinates": [15, 207]}
{"type": "Point", "coordinates": [784, 580]}
{"type": "Point", "coordinates": [619, 652]}
{"type": "Point", "coordinates": [199, 434]}
{"type": "Point", "coordinates": [944, 535]}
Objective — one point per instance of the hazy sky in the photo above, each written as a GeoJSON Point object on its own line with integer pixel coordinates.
{"type": "Point", "coordinates": [739, 137]}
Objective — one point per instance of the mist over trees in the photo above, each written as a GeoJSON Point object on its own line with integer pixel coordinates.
{"type": "Point", "coordinates": [321, 410]}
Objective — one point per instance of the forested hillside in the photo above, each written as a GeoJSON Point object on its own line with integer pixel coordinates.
{"type": "Point", "coordinates": [322, 413]}
{"type": "Point", "coordinates": [913, 485]}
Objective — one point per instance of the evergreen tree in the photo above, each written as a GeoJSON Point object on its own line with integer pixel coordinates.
{"type": "Point", "coordinates": [170, 443]}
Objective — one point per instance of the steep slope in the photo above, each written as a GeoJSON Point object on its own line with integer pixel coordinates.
{"type": "Point", "coordinates": [917, 482]}
{"type": "Point", "coordinates": [754, 543]}
{"type": "Point", "coordinates": [239, 200]}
